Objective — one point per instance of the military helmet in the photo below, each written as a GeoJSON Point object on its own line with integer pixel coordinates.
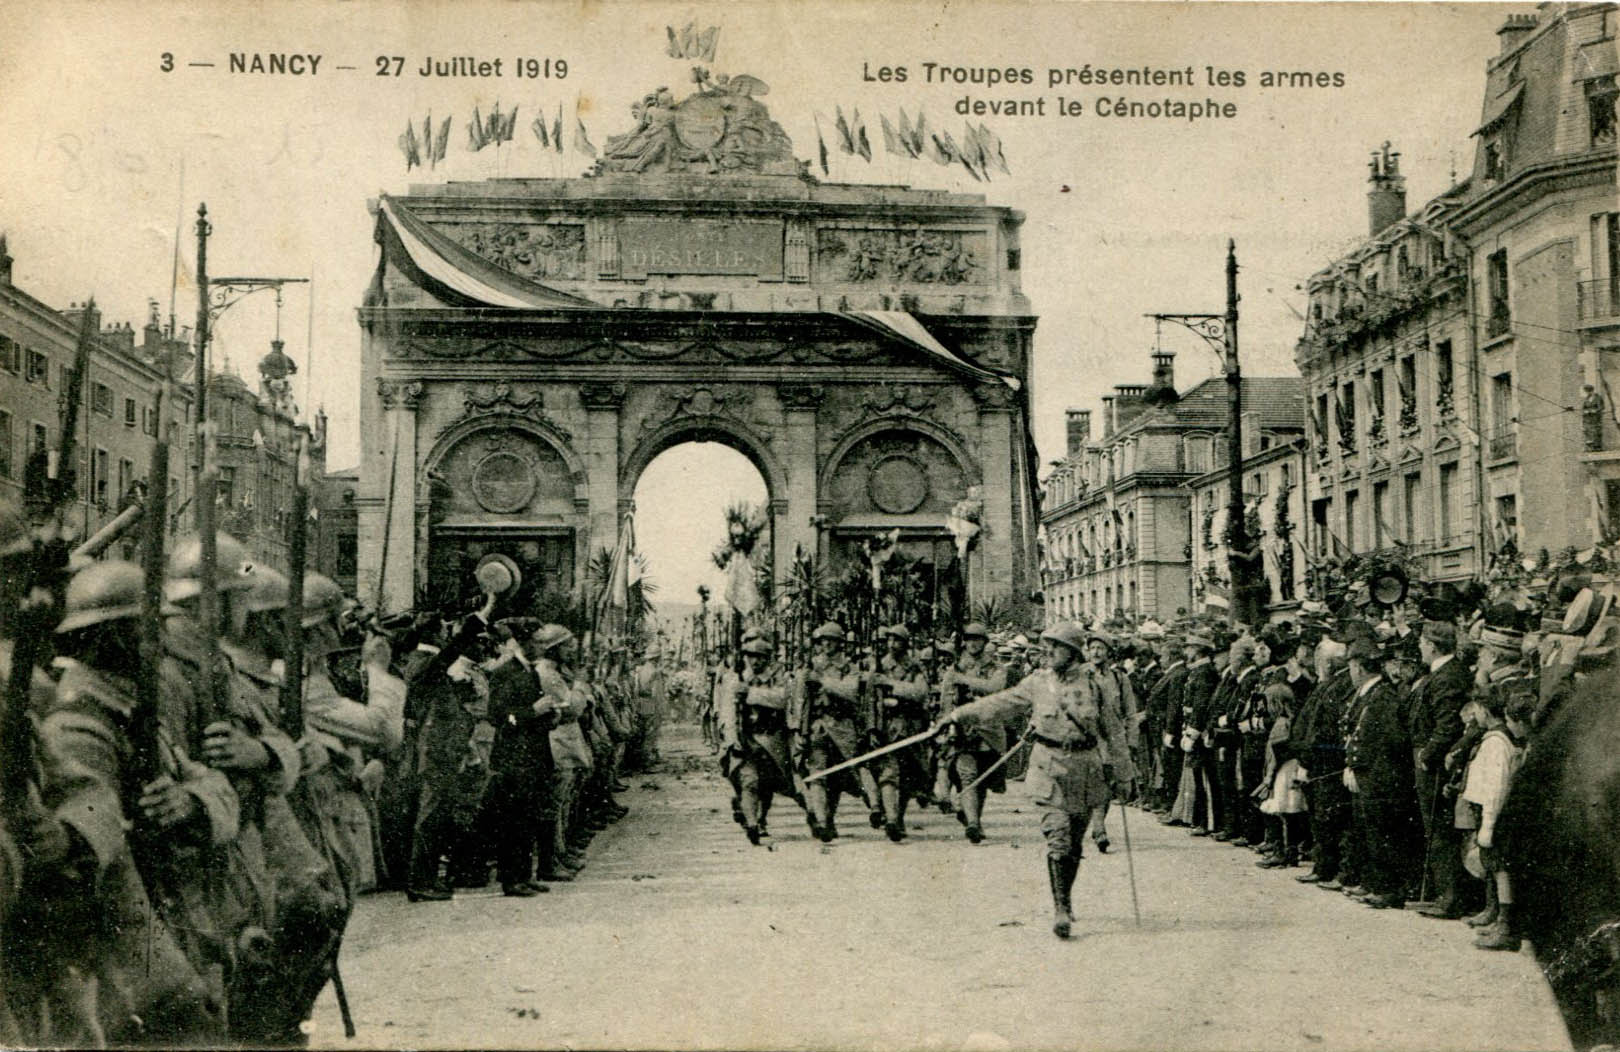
{"type": "Point", "coordinates": [270, 590]}
{"type": "Point", "coordinates": [831, 630]}
{"type": "Point", "coordinates": [900, 632]}
{"type": "Point", "coordinates": [975, 630]}
{"type": "Point", "coordinates": [109, 590]}
{"type": "Point", "coordinates": [323, 599]}
{"type": "Point", "coordinates": [1069, 634]}
{"type": "Point", "coordinates": [233, 572]}
{"type": "Point", "coordinates": [757, 647]}
{"type": "Point", "coordinates": [550, 637]}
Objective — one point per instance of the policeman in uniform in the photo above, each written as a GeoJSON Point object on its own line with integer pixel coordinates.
{"type": "Point", "coordinates": [1068, 773]}
{"type": "Point", "coordinates": [902, 710]}
{"type": "Point", "coordinates": [754, 731]}
{"type": "Point", "coordinates": [975, 674]}
{"type": "Point", "coordinates": [829, 720]}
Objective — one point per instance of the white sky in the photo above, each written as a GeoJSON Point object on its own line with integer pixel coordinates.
{"type": "Point", "coordinates": [681, 503]}
{"type": "Point", "coordinates": [1123, 217]}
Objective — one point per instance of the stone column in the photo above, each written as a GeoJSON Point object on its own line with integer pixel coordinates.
{"type": "Point", "coordinates": [794, 526]}
{"type": "Point", "coordinates": [996, 438]}
{"type": "Point", "coordinates": [602, 402]}
{"type": "Point", "coordinates": [397, 566]}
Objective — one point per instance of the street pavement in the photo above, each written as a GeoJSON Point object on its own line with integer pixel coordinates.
{"type": "Point", "coordinates": [679, 934]}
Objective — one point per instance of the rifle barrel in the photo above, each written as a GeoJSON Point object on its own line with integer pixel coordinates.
{"type": "Point", "coordinates": [108, 535]}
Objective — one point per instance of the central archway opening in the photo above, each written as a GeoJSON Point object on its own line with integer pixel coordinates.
{"type": "Point", "coordinates": [681, 499]}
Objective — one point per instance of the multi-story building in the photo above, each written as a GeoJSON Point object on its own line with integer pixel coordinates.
{"type": "Point", "coordinates": [1395, 432]}
{"type": "Point", "coordinates": [1116, 512]}
{"type": "Point", "coordinates": [339, 533]}
{"type": "Point", "coordinates": [1541, 230]}
{"type": "Point", "coordinates": [117, 423]}
{"type": "Point", "coordinates": [1274, 471]}
{"type": "Point", "coordinates": [117, 419]}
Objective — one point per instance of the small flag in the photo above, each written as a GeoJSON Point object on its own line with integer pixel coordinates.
{"type": "Point", "coordinates": [862, 147]}
{"type": "Point", "coordinates": [706, 43]}
{"type": "Point", "coordinates": [582, 142]}
{"type": "Point", "coordinates": [539, 127]}
{"type": "Point", "coordinates": [427, 138]}
{"type": "Point", "coordinates": [944, 148]}
{"type": "Point", "coordinates": [846, 141]}
{"type": "Point", "coordinates": [442, 142]}
{"type": "Point", "coordinates": [673, 48]}
{"type": "Point", "coordinates": [821, 146]}
{"type": "Point", "coordinates": [689, 40]}
{"type": "Point", "coordinates": [1215, 596]}
{"type": "Point", "coordinates": [475, 132]}
{"type": "Point", "coordinates": [919, 135]}
{"type": "Point", "coordinates": [992, 149]}
{"type": "Point", "coordinates": [407, 145]}
{"type": "Point", "coordinates": [891, 140]}
{"type": "Point", "coordinates": [556, 130]}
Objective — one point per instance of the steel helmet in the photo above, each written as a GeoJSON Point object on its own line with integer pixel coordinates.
{"type": "Point", "coordinates": [103, 591]}
{"type": "Point", "coordinates": [758, 647]}
{"type": "Point", "coordinates": [323, 599]}
{"type": "Point", "coordinates": [270, 590]}
{"type": "Point", "coordinates": [830, 630]}
{"type": "Point", "coordinates": [233, 571]}
{"type": "Point", "coordinates": [1069, 634]}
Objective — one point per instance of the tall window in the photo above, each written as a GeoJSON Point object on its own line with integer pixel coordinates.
{"type": "Point", "coordinates": [98, 476]}
{"type": "Point", "coordinates": [126, 476]}
{"type": "Point", "coordinates": [1499, 319]}
{"type": "Point", "coordinates": [1375, 389]}
{"type": "Point", "coordinates": [1197, 451]}
{"type": "Point", "coordinates": [226, 492]}
{"type": "Point", "coordinates": [10, 355]}
{"type": "Point", "coordinates": [1321, 523]}
{"type": "Point", "coordinates": [1502, 444]}
{"type": "Point", "coordinates": [39, 369]}
{"type": "Point", "coordinates": [1495, 158]}
{"type": "Point", "coordinates": [1448, 502]}
{"type": "Point", "coordinates": [1352, 506]}
{"type": "Point", "coordinates": [129, 412]}
{"type": "Point", "coordinates": [1507, 516]}
{"type": "Point", "coordinates": [6, 468]}
{"type": "Point", "coordinates": [1380, 523]}
{"type": "Point", "coordinates": [101, 399]}
{"type": "Point", "coordinates": [1411, 499]}
{"type": "Point", "coordinates": [1406, 378]}
{"type": "Point", "coordinates": [1601, 94]}
{"type": "Point", "coordinates": [1444, 378]}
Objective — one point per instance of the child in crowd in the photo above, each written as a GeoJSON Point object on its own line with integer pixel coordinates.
{"type": "Point", "coordinates": [1506, 703]}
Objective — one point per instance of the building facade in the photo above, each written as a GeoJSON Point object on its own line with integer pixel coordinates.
{"type": "Point", "coordinates": [117, 420]}
{"type": "Point", "coordinates": [1276, 520]}
{"type": "Point", "coordinates": [1541, 226]}
{"type": "Point", "coordinates": [1396, 435]}
{"type": "Point", "coordinates": [1116, 513]}
{"type": "Point", "coordinates": [530, 345]}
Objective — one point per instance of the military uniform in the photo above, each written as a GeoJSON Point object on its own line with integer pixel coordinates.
{"type": "Point", "coordinates": [967, 753]}
{"type": "Point", "coordinates": [828, 717]}
{"type": "Point", "coordinates": [1068, 771]}
{"type": "Point", "coordinates": [1116, 701]}
{"type": "Point", "coordinates": [753, 723]}
{"type": "Point", "coordinates": [902, 711]}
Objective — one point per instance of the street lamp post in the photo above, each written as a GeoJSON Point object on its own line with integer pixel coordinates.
{"type": "Point", "coordinates": [1220, 332]}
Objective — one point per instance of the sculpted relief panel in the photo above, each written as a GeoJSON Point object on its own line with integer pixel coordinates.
{"type": "Point", "coordinates": [896, 472]}
{"type": "Point", "coordinates": [902, 257]}
{"type": "Point", "coordinates": [498, 473]}
{"type": "Point", "coordinates": [552, 250]}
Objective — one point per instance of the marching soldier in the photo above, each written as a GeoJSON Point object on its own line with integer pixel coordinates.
{"type": "Point", "coordinates": [829, 719]}
{"type": "Point", "coordinates": [975, 674]}
{"type": "Point", "coordinates": [902, 710]}
{"type": "Point", "coordinates": [1068, 773]}
{"type": "Point", "coordinates": [147, 824]}
{"type": "Point", "coordinates": [753, 729]}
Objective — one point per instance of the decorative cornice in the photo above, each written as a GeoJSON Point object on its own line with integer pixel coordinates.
{"type": "Point", "coordinates": [602, 395]}
{"type": "Point", "coordinates": [502, 401]}
{"type": "Point", "coordinates": [800, 396]}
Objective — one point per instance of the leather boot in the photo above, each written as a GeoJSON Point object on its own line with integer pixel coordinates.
{"type": "Point", "coordinates": [1487, 916]}
{"type": "Point", "coordinates": [1499, 934]}
{"type": "Point", "coordinates": [1059, 876]}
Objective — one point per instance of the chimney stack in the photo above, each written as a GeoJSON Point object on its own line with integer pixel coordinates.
{"type": "Point", "coordinates": [1108, 417]}
{"type": "Point", "coordinates": [1514, 30]}
{"type": "Point", "coordinates": [121, 336]}
{"type": "Point", "coordinates": [1079, 429]}
{"type": "Point", "coordinates": [75, 316]}
{"type": "Point", "coordinates": [5, 261]}
{"type": "Point", "coordinates": [1386, 194]}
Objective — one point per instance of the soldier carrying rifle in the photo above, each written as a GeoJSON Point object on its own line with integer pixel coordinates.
{"type": "Point", "coordinates": [828, 726]}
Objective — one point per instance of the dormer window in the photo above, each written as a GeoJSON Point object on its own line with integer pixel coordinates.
{"type": "Point", "coordinates": [1601, 93]}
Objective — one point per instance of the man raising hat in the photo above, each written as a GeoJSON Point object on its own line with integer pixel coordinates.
{"type": "Point", "coordinates": [1068, 776]}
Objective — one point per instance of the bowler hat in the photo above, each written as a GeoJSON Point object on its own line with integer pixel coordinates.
{"type": "Point", "coordinates": [1364, 650]}
{"type": "Point", "coordinates": [1200, 639]}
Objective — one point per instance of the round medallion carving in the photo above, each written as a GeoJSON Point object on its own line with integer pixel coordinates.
{"type": "Point", "coordinates": [898, 485]}
{"type": "Point", "coordinates": [700, 122]}
{"type": "Point", "coordinates": [503, 482]}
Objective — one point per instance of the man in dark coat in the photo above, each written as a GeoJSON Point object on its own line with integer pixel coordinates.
{"type": "Point", "coordinates": [521, 766]}
{"type": "Point", "coordinates": [1436, 726]}
{"type": "Point", "coordinates": [1164, 699]}
{"type": "Point", "coordinates": [1378, 773]}
{"type": "Point", "coordinates": [1318, 743]}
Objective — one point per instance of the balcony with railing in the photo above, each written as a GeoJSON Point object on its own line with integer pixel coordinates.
{"type": "Point", "coordinates": [1502, 444]}
{"type": "Point", "coordinates": [1599, 301]}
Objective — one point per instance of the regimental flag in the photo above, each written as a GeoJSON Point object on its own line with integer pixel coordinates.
{"type": "Point", "coordinates": [1215, 596]}
{"type": "Point", "coordinates": [539, 128]}
{"type": "Point", "coordinates": [582, 141]}
{"type": "Point", "coordinates": [821, 146]}
{"type": "Point", "coordinates": [476, 139]}
{"type": "Point", "coordinates": [846, 141]}
{"type": "Point", "coordinates": [556, 130]}
{"type": "Point", "coordinates": [408, 146]}
{"type": "Point", "coordinates": [441, 142]}
{"type": "Point", "coordinates": [862, 147]}
{"type": "Point", "coordinates": [992, 149]}
{"type": "Point", "coordinates": [499, 128]}
{"type": "Point", "coordinates": [891, 140]}
{"type": "Point", "coordinates": [615, 601]}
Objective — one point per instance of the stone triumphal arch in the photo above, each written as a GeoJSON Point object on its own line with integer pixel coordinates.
{"type": "Point", "coordinates": [530, 345]}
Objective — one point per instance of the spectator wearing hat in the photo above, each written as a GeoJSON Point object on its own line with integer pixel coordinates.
{"type": "Point", "coordinates": [1435, 719]}
{"type": "Point", "coordinates": [1315, 739]}
{"type": "Point", "coordinates": [521, 763]}
{"type": "Point", "coordinates": [1164, 707]}
{"type": "Point", "coordinates": [1194, 804]}
{"type": "Point", "coordinates": [754, 730]}
{"type": "Point", "coordinates": [1068, 776]}
{"type": "Point", "coordinates": [1378, 773]}
{"type": "Point", "coordinates": [552, 651]}
{"type": "Point", "coordinates": [975, 674]}
{"type": "Point", "coordinates": [1507, 702]}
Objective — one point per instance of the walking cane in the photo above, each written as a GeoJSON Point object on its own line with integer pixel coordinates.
{"type": "Point", "coordinates": [1130, 862]}
{"type": "Point", "coordinates": [342, 997]}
